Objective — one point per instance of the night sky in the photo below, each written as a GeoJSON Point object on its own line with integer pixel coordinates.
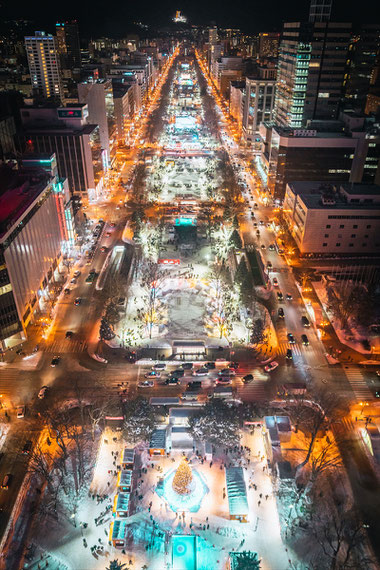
{"type": "Point", "coordinates": [116, 17]}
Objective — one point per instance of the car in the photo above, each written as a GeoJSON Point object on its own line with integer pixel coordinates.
{"type": "Point", "coordinates": [77, 301]}
{"type": "Point", "coordinates": [69, 334]}
{"type": "Point", "coordinates": [233, 365]}
{"type": "Point", "coordinates": [280, 296]}
{"type": "Point", "coordinates": [112, 224]}
{"type": "Point", "coordinates": [194, 385]}
{"type": "Point", "coordinates": [305, 321]}
{"type": "Point", "coordinates": [271, 247]}
{"type": "Point", "coordinates": [103, 248]}
{"type": "Point", "coordinates": [77, 273]}
{"type": "Point", "coordinates": [271, 366]}
{"type": "Point", "coordinates": [247, 378]}
{"type": "Point", "coordinates": [269, 265]}
{"type": "Point", "coordinates": [252, 215]}
{"type": "Point", "coordinates": [20, 412]}
{"type": "Point", "coordinates": [210, 365]}
{"type": "Point", "coordinates": [73, 281]}
{"type": "Point", "coordinates": [6, 481]}
{"type": "Point", "coordinates": [201, 372]}
{"type": "Point", "coordinates": [67, 291]}
{"type": "Point", "coordinates": [159, 366]}
{"type": "Point", "coordinates": [288, 297]}
{"type": "Point", "coordinates": [262, 246]}
{"type": "Point", "coordinates": [55, 361]}
{"type": "Point", "coordinates": [187, 365]}
{"type": "Point", "coordinates": [255, 224]}
{"type": "Point", "coordinates": [172, 381]}
{"type": "Point", "coordinates": [152, 374]}
{"type": "Point", "coordinates": [109, 233]}
{"type": "Point", "coordinates": [305, 340]}
{"type": "Point", "coordinates": [224, 380]}
{"type": "Point", "coordinates": [291, 339]}
{"type": "Point", "coordinates": [255, 205]}
{"type": "Point", "coordinates": [289, 354]}
{"type": "Point", "coordinates": [275, 281]}
{"type": "Point", "coordinates": [281, 313]}
{"type": "Point", "coordinates": [42, 392]}
{"type": "Point", "coordinates": [27, 447]}
{"type": "Point", "coordinates": [146, 384]}
{"type": "Point", "coordinates": [261, 223]}
{"type": "Point", "coordinates": [258, 233]}
{"type": "Point", "coordinates": [178, 373]}
{"type": "Point", "coordinates": [226, 372]}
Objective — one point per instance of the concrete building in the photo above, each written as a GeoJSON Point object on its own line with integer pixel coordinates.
{"type": "Point", "coordinates": [76, 144]}
{"type": "Point", "coordinates": [334, 219]}
{"type": "Point", "coordinates": [124, 109]}
{"type": "Point", "coordinates": [372, 104]}
{"type": "Point", "coordinates": [98, 96]}
{"type": "Point", "coordinates": [299, 154]}
{"type": "Point", "coordinates": [7, 137]}
{"type": "Point", "coordinates": [31, 240]}
{"type": "Point", "coordinates": [44, 68]}
{"type": "Point", "coordinates": [258, 107]}
{"type": "Point", "coordinates": [237, 92]}
{"type": "Point", "coordinates": [311, 72]}
{"type": "Point", "coordinates": [268, 45]}
{"type": "Point", "coordinates": [68, 44]}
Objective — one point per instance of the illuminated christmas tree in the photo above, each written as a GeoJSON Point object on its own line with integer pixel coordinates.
{"type": "Point", "coordinates": [183, 478]}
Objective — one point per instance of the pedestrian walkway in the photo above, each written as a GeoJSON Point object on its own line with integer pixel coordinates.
{"type": "Point", "coordinates": [65, 346]}
{"type": "Point", "coordinates": [252, 391]}
{"type": "Point", "coordinates": [357, 383]}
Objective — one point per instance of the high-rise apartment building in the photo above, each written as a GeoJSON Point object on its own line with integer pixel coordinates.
{"type": "Point", "coordinates": [320, 10]}
{"type": "Point", "coordinates": [311, 72]}
{"type": "Point", "coordinates": [258, 107]}
{"type": "Point", "coordinates": [43, 60]}
{"type": "Point", "coordinates": [268, 45]}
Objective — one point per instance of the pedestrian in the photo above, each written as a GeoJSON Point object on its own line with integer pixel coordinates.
{"type": "Point", "coordinates": [266, 497]}
{"type": "Point", "coordinates": [258, 503]}
{"type": "Point", "coordinates": [261, 495]}
{"type": "Point", "coordinates": [263, 467]}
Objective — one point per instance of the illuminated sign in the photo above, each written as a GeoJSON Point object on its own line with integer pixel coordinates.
{"type": "Point", "coordinates": [185, 222]}
{"type": "Point", "coordinates": [66, 113]}
{"type": "Point", "coordinates": [169, 261]}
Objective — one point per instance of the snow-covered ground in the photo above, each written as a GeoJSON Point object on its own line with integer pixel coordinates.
{"type": "Point", "coordinates": [153, 522]}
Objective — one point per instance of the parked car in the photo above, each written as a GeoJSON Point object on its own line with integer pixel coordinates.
{"type": "Point", "coordinates": [210, 365]}
{"type": "Point", "coordinates": [42, 392]}
{"type": "Point", "coordinates": [20, 412]}
{"type": "Point", "coordinates": [152, 374]}
{"type": "Point", "coordinates": [146, 384]}
{"type": "Point", "coordinates": [159, 366]}
{"type": "Point", "coordinates": [6, 481]}
{"type": "Point", "coordinates": [178, 372]}
{"type": "Point", "coordinates": [271, 366]}
{"type": "Point", "coordinates": [224, 380]}
{"type": "Point", "coordinates": [305, 340]}
{"type": "Point", "coordinates": [226, 372]}
{"type": "Point", "coordinates": [305, 321]}
{"type": "Point", "coordinates": [187, 365]}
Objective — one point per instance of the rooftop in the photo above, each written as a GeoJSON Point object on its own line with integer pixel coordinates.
{"type": "Point", "coordinates": [158, 439]}
{"type": "Point", "coordinates": [18, 190]}
{"type": "Point", "coordinates": [346, 196]}
{"type": "Point", "coordinates": [236, 490]}
{"type": "Point", "coordinates": [128, 456]}
{"type": "Point", "coordinates": [122, 502]}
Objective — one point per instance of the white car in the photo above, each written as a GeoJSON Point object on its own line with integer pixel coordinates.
{"type": "Point", "coordinates": [146, 384]}
{"type": "Point", "coordinates": [20, 412]}
{"type": "Point", "coordinates": [42, 392]}
{"type": "Point", "coordinates": [201, 372]}
{"type": "Point", "coordinates": [271, 366]}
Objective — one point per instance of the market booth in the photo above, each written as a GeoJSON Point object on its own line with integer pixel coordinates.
{"type": "Point", "coordinates": [127, 458]}
{"type": "Point", "coordinates": [118, 531]}
{"type": "Point", "coordinates": [124, 481]}
{"type": "Point", "coordinates": [121, 505]}
{"type": "Point", "coordinates": [237, 494]}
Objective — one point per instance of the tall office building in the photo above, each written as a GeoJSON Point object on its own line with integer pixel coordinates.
{"type": "Point", "coordinates": [364, 60]}
{"type": "Point", "coordinates": [311, 72]}
{"type": "Point", "coordinates": [69, 44]}
{"type": "Point", "coordinates": [41, 50]}
{"type": "Point", "coordinates": [320, 10]}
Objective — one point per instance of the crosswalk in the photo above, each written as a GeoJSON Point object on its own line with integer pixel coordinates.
{"type": "Point", "coordinates": [60, 346]}
{"type": "Point", "coordinates": [357, 382]}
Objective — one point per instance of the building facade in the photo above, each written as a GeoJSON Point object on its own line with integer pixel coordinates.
{"type": "Point", "coordinates": [30, 248]}
{"type": "Point", "coordinates": [334, 219]}
{"type": "Point", "coordinates": [268, 45]}
{"type": "Point", "coordinates": [44, 67]}
{"type": "Point", "coordinates": [258, 107]}
{"type": "Point", "coordinates": [311, 72]}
